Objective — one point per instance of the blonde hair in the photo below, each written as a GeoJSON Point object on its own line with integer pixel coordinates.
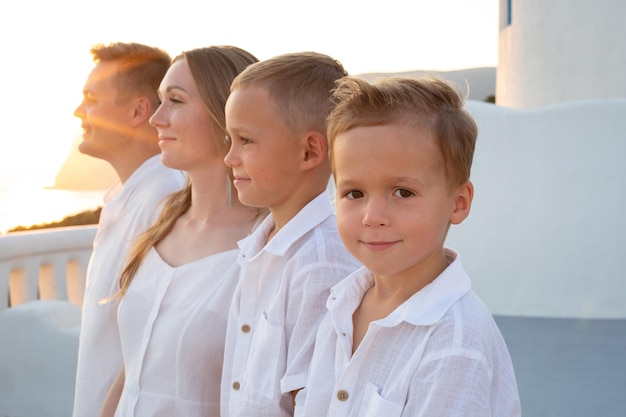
{"type": "Point", "coordinates": [212, 69]}
{"type": "Point", "coordinates": [140, 68]}
{"type": "Point", "coordinates": [424, 102]}
{"type": "Point", "coordinates": [300, 85]}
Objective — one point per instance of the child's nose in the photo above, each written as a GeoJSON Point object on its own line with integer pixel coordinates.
{"type": "Point", "coordinates": [231, 159]}
{"type": "Point", "coordinates": [376, 213]}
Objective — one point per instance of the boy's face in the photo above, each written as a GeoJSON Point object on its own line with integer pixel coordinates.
{"type": "Point", "coordinates": [394, 204]}
{"type": "Point", "coordinates": [264, 155]}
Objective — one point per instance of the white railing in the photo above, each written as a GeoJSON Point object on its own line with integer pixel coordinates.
{"type": "Point", "coordinates": [50, 264]}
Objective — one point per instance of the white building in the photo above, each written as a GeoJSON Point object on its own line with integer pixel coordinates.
{"type": "Point", "coordinates": [555, 51]}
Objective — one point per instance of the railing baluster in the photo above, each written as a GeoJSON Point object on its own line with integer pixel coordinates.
{"type": "Point", "coordinates": [47, 264]}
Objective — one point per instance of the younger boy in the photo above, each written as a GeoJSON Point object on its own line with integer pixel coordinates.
{"type": "Point", "coordinates": [276, 121]}
{"type": "Point", "coordinates": [405, 335]}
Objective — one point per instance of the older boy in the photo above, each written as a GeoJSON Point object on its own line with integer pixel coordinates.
{"type": "Point", "coordinates": [275, 117]}
{"type": "Point", "coordinates": [405, 335]}
{"type": "Point", "coordinates": [119, 97]}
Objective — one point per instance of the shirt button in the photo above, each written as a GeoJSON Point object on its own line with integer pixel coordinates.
{"type": "Point", "coordinates": [342, 395]}
{"type": "Point", "coordinates": [236, 386]}
{"type": "Point", "coordinates": [245, 328]}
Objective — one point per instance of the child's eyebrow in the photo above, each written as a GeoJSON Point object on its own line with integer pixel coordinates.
{"type": "Point", "coordinates": [405, 179]}
{"type": "Point", "coordinates": [232, 131]}
{"type": "Point", "coordinates": [239, 130]}
{"type": "Point", "coordinates": [346, 182]}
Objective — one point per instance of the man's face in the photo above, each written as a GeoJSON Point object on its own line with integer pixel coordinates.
{"type": "Point", "coordinates": [105, 115]}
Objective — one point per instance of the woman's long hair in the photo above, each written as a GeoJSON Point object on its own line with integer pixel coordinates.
{"type": "Point", "coordinates": [212, 69]}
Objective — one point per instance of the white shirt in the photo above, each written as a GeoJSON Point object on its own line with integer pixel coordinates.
{"type": "Point", "coordinates": [276, 310]}
{"type": "Point", "coordinates": [438, 354]}
{"type": "Point", "coordinates": [172, 325]}
{"type": "Point", "coordinates": [128, 210]}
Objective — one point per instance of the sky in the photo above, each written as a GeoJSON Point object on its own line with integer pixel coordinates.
{"type": "Point", "coordinates": [45, 50]}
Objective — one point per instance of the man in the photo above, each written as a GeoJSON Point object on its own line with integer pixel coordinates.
{"type": "Point", "coordinates": [119, 97]}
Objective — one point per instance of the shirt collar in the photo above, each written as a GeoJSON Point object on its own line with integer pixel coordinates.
{"type": "Point", "coordinates": [311, 215]}
{"type": "Point", "coordinates": [139, 176]}
{"type": "Point", "coordinates": [424, 308]}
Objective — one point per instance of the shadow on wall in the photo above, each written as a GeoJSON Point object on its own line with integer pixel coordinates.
{"type": "Point", "coordinates": [545, 236]}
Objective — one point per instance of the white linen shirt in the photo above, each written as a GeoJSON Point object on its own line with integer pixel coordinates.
{"type": "Point", "coordinates": [172, 323]}
{"type": "Point", "coordinates": [129, 209]}
{"type": "Point", "coordinates": [277, 307]}
{"type": "Point", "coordinates": [440, 353]}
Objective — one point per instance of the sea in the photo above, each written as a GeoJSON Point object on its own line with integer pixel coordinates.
{"type": "Point", "coordinates": [26, 203]}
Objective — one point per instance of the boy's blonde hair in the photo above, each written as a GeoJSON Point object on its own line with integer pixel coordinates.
{"type": "Point", "coordinates": [140, 67]}
{"type": "Point", "coordinates": [424, 102]}
{"type": "Point", "coordinates": [300, 85]}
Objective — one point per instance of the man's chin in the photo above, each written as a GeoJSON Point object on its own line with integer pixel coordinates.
{"type": "Point", "coordinates": [85, 148]}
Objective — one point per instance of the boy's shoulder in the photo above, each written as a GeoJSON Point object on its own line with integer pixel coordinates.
{"type": "Point", "coordinates": [451, 308]}
{"type": "Point", "coordinates": [467, 324]}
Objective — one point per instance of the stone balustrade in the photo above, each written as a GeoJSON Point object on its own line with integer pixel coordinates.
{"type": "Point", "coordinates": [49, 264]}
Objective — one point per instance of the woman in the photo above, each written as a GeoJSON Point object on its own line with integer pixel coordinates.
{"type": "Point", "coordinates": [177, 285]}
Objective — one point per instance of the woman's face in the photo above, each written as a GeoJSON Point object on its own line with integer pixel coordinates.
{"type": "Point", "coordinates": [187, 133]}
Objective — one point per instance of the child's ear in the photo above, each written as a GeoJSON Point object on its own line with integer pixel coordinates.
{"type": "Point", "coordinates": [141, 111]}
{"type": "Point", "coordinates": [462, 202]}
{"type": "Point", "coordinates": [315, 150]}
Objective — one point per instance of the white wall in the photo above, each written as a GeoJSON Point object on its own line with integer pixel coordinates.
{"type": "Point", "coordinates": [38, 351]}
{"type": "Point", "coordinates": [546, 234]}
{"type": "Point", "coordinates": [559, 51]}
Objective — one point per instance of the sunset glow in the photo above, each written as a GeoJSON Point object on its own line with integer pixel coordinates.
{"type": "Point", "coordinates": [46, 60]}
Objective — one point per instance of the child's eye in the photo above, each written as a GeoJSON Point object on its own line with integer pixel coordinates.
{"type": "Point", "coordinates": [353, 195]}
{"type": "Point", "coordinates": [402, 193]}
{"type": "Point", "coordinates": [175, 100]}
{"type": "Point", "coordinates": [245, 141]}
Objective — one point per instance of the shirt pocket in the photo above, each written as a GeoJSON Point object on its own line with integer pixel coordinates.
{"type": "Point", "coordinates": [265, 366]}
{"type": "Point", "coordinates": [374, 405]}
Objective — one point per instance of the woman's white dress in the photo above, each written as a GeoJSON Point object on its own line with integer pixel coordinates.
{"type": "Point", "coordinates": [172, 324]}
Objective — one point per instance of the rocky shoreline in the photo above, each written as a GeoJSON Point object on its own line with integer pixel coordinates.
{"type": "Point", "coordinates": [80, 219]}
